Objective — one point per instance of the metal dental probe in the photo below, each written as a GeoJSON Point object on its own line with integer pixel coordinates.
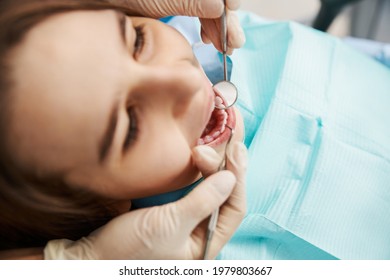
{"type": "Point", "coordinates": [212, 225]}
{"type": "Point", "coordinates": [225, 88]}
{"type": "Point", "coordinates": [224, 41]}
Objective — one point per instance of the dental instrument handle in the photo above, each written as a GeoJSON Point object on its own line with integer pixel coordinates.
{"type": "Point", "coordinates": [225, 69]}
{"type": "Point", "coordinates": [212, 225]}
{"type": "Point", "coordinates": [224, 41]}
{"type": "Point", "coordinates": [210, 232]}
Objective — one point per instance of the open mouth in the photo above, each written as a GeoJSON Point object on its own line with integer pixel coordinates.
{"type": "Point", "coordinates": [215, 131]}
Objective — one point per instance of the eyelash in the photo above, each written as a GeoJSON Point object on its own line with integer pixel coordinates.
{"type": "Point", "coordinates": [132, 130]}
{"type": "Point", "coordinates": [140, 39]}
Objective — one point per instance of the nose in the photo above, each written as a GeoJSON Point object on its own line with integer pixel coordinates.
{"type": "Point", "coordinates": [170, 84]}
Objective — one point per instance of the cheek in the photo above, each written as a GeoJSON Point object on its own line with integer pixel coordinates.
{"type": "Point", "coordinates": [161, 166]}
{"type": "Point", "coordinates": [156, 164]}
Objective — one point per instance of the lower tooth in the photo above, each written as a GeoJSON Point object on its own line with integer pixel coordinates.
{"type": "Point", "coordinates": [200, 142]}
{"type": "Point", "coordinates": [208, 139]}
{"type": "Point", "coordinates": [216, 134]}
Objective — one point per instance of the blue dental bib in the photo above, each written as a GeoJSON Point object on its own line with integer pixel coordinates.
{"type": "Point", "coordinates": [317, 128]}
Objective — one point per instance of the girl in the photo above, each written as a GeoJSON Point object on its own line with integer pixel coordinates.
{"type": "Point", "coordinates": [72, 159]}
{"type": "Point", "coordinates": [316, 125]}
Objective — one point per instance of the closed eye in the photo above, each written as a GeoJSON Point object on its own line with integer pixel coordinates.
{"type": "Point", "coordinates": [132, 131]}
{"type": "Point", "coordinates": [139, 40]}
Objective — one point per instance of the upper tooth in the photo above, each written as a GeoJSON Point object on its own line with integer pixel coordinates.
{"type": "Point", "coordinates": [218, 101]}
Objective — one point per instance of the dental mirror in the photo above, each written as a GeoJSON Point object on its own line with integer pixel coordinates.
{"type": "Point", "coordinates": [226, 90]}
{"type": "Point", "coordinates": [228, 93]}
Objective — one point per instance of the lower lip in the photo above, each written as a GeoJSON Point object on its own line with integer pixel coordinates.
{"type": "Point", "coordinates": [224, 136]}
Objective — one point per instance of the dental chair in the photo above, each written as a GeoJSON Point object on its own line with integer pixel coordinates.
{"type": "Point", "coordinates": [328, 12]}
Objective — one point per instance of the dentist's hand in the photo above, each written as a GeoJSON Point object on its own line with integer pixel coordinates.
{"type": "Point", "coordinates": [209, 12]}
{"type": "Point", "coordinates": [176, 230]}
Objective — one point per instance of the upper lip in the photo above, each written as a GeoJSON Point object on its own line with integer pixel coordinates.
{"type": "Point", "coordinates": [210, 106]}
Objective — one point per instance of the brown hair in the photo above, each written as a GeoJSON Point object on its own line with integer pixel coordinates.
{"type": "Point", "coordinates": [34, 210]}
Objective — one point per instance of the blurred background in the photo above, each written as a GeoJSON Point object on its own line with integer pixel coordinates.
{"type": "Point", "coordinates": [368, 19]}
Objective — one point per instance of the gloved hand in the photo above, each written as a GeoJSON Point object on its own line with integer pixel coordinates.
{"type": "Point", "coordinates": [176, 230]}
{"type": "Point", "coordinates": [208, 11]}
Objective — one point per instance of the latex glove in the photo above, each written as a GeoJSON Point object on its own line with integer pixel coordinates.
{"type": "Point", "coordinates": [211, 32]}
{"type": "Point", "coordinates": [209, 12]}
{"type": "Point", "coordinates": [172, 231]}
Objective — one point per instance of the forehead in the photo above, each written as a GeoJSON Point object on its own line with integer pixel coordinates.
{"type": "Point", "coordinates": [65, 72]}
{"type": "Point", "coordinates": [72, 40]}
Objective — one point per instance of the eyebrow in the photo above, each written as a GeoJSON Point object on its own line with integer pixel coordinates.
{"type": "Point", "coordinates": [121, 19]}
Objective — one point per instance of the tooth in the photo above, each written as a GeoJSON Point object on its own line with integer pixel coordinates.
{"type": "Point", "coordinates": [208, 139]}
{"type": "Point", "coordinates": [200, 142]}
{"type": "Point", "coordinates": [218, 101]}
{"type": "Point", "coordinates": [216, 134]}
{"type": "Point", "coordinates": [223, 128]}
{"type": "Point", "coordinates": [219, 128]}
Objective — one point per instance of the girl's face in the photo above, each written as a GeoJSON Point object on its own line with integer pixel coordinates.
{"type": "Point", "coordinates": [109, 102]}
